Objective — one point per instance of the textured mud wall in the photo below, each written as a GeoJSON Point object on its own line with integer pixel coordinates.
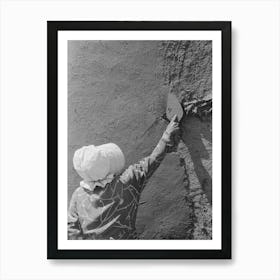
{"type": "Point", "coordinates": [116, 93]}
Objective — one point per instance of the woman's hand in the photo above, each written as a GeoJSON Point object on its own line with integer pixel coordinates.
{"type": "Point", "coordinates": [171, 134]}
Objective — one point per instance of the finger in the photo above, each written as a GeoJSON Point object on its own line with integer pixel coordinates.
{"type": "Point", "coordinates": [174, 126]}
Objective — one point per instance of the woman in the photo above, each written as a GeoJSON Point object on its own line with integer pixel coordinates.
{"type": "Point", "coordinates": [105, 204]}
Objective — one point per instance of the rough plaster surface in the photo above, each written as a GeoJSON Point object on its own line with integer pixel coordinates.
{"type": "Point", "coordinates": [117, 93]}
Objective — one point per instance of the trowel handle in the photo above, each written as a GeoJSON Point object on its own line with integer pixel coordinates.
{"type": "Point", "coordinates": [164, 117]}
{"type": "Point", "coordinates": [175, 119]}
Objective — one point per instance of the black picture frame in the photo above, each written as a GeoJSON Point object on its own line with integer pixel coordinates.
{"type": "Point", "coordinates": [52, 87]}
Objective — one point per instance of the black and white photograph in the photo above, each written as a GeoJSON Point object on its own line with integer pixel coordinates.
{"type": "Point", "coordinates": [136, 112]}
{"type": "Point", "coordinates": [140, 139]}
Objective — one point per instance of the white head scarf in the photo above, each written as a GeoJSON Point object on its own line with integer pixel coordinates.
{"type": "Point", "coordinates": [97, 165]}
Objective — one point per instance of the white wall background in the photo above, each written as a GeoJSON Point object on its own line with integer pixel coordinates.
{"type": "Point", "coordinates": [255, 139]}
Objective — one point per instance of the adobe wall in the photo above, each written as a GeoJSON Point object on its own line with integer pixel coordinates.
{"type": "Point", "coordinates": [117, 93]}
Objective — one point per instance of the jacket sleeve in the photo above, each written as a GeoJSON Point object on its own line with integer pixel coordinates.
{"type": "Point", "coordinates": [139, 173]}
{"type": "Point", "coordinates": [74, 229]}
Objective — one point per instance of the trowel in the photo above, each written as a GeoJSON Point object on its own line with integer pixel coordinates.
{"type": "Point", "coordinates": [173, 107]}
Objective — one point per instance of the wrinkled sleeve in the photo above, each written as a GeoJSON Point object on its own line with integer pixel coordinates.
{"type": "Point", "coordinates": [139, 173]}
{"type": "Point", "coordinates": [74, 229]}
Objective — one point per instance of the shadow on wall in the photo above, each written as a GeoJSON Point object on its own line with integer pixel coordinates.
{"type": "Point", "coordinates": [197, 136]}
{"type": "Point", "coordinates": [165, 211]}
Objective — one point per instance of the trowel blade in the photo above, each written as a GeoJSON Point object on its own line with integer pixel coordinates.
{"type": "Point", "coordinates": [173, 107]}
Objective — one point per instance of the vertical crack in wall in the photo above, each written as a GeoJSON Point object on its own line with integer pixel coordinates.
{"type": "Point", "coordinates": [182, 153]}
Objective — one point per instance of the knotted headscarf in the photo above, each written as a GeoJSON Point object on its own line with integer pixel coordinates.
{"type": "Point", "coordinates": [97, 165]}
